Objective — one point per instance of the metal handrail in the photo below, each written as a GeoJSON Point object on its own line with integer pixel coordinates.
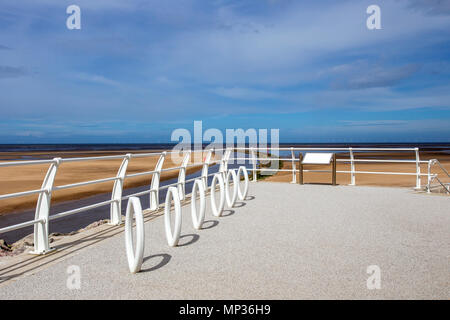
{"type": "Point", "coordinates": [432, 177]}
{"type": "Point", "coordinates": [352, 160]}
{"type": "Point", "coordinates": [42, 215]}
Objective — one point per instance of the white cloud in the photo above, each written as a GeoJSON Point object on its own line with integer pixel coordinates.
{"type": "Point", "coordinates": [364, 75]}
{"type": "Point", "coordinates": [244, 93]}
{"type": "Point", "coordinates": [98, 79]}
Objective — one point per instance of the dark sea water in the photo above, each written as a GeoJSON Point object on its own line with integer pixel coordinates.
{"type": "Point", "coordinates": [82, 147]}
{"type": "Point", "coordinates": [435, 146]}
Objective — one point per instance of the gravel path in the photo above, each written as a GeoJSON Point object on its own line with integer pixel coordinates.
{"type": "Point", "coordinates": [286, 242]}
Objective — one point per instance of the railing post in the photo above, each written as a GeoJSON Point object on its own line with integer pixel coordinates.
{"type": "Point", "coordinates": [294, 175]}
{"type": "Point", "coordinates": [430, 163]}
{"type": "Point", "coordinates": [154, 186]}
{"type": "Point", "coordinates": [300, 168]}
{"type": "Point", "coordinates": [223, 168]}
{"type": "Point", "coordinates": [206, 163]}
{"type": "Point", "coordinates": [333, 170]}
{"type": "Point", "coordinates": [352, 167]}
{"type": "Point", "coordinates": [41, 243]}
{"type": "Point", "coordinates": [116, 196]}
{"type": "Point", "coordinates": [417, 168]}
{"type": "Point", "coordinates": [182, 176]}
{"type": "Point", "coordinates": [252, 150]}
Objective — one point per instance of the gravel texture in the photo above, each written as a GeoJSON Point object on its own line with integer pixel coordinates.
{"type": "Point", "coordinates": [285, 241]}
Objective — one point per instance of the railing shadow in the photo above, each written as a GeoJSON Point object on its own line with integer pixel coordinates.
{"type": "Point", "coordinates": [33, 262]}
{"type": "Point", "coordinates": [319, 183]}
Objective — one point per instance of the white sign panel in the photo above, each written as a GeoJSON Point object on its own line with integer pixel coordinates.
{"type": "Point", "coordinates": [317, 158]}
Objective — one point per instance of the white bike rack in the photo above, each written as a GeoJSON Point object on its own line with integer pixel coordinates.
{"type": "Point", "coordinates": [217, 211]}
{"type": "Point", "coordinates": [197, 220]}
{"type": "Point", "coordinates": [135, 251]}
{"type": "Point", "coordinates": [242, 194]}
{"type": "Point", "coordinates": [231, 200]}
{"type": "Point", "coordinates": [172, 237]}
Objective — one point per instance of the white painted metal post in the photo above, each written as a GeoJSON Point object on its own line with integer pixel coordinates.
{"type": "Point", "coordinates": [206, 163]}
{"type": "Point", "coordinates": [41, 243]}
{"type": "Point", "coordinates": [227, 159]}
{"type": "Point", "coordinates": [116, 206]}
{"type": "Point", "coordinates": [430, 163]}
{"type": "Point", "coordinates": [294, 175]}
{"type": "Point", "coordinates": [182, 176]}
{"type": "Point", "coordinates": [223, 168]}
{"type": "Point", "coordinates": [154, 186]}
{"type": "Point", "coordinates": [352, 167]}
{"type": "Point", "coordinates": [417, 168]}
{"type": "Point", "coordinates": [252, 150]}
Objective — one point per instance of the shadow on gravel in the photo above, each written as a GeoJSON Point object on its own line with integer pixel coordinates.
{"type": "Point", "coordinates": [194, 239]}
{"type": "Point", "coordinates": [209, 224]}
{"type": "Point", "coordinates": [239, 204]}
{"type": "Point", "coordinates": [227, 213]}
{"type": "Point", "coordinates": [165, 258]}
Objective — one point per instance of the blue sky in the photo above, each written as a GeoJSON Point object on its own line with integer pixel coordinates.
{"type": "Point", "coordinates": [137, 70]}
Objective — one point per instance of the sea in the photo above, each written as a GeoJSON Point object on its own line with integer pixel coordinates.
{"type": "Point", "coordinates": [439, 147]}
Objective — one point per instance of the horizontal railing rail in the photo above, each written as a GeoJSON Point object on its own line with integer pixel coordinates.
{"type": "Point", "coordinates": [254, 151]}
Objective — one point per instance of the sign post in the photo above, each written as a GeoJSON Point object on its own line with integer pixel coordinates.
{"type": "Point", "coordinates": [318, 158]}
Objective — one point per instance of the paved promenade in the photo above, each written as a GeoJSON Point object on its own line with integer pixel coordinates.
{"type": "Point", "coordinates": [286, 242]}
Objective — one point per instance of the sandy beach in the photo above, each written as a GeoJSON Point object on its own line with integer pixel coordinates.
{"type": "Point", "coordinates": [23, 178]}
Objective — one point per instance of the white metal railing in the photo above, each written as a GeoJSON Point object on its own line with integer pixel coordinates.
{"type": "Point", "coordinates": [434, 177]}
{"type": "Point", "coordinates": [42, 211]}
{"type": "Point", "coordinates": [351, 160]}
